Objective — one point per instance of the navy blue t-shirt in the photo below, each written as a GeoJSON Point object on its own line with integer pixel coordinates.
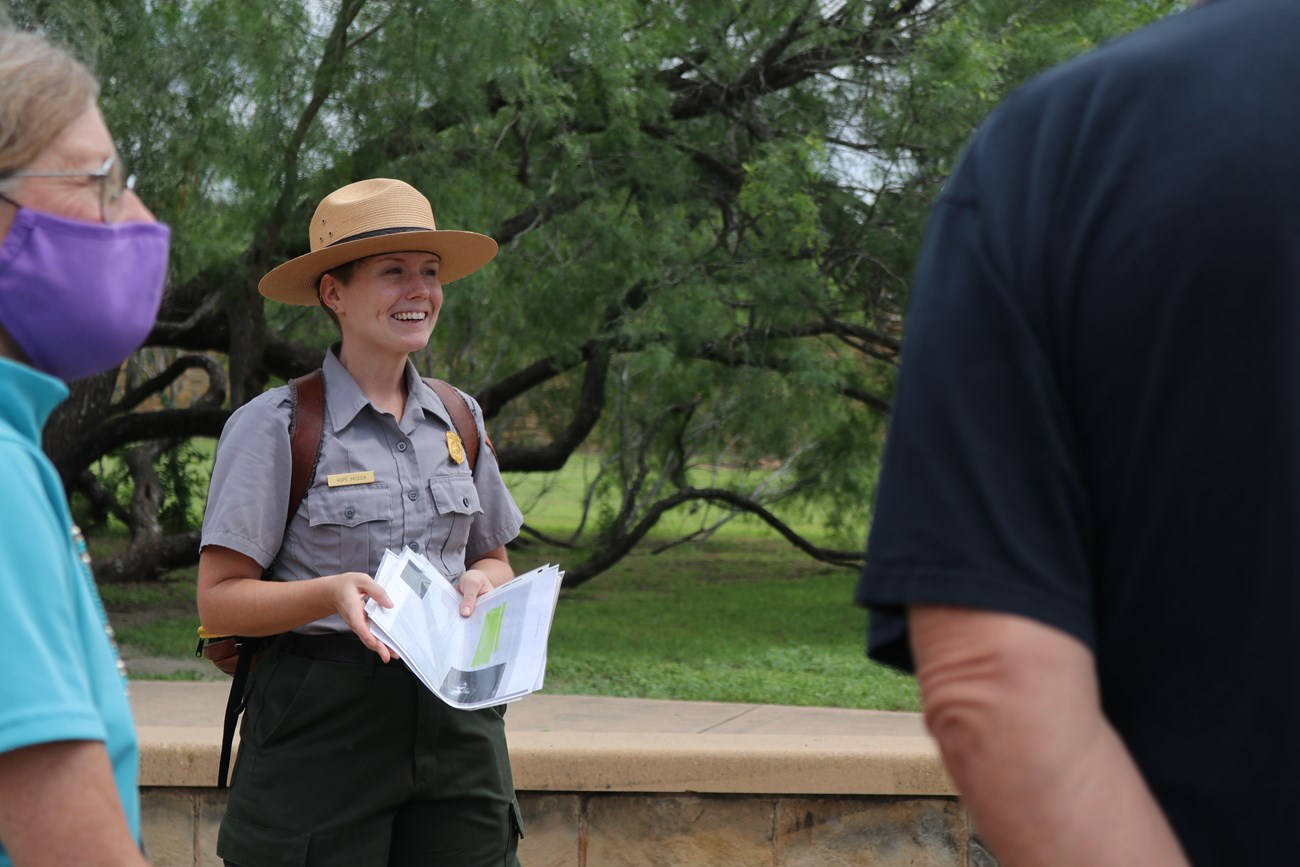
{"type": "Point", "coordinates": [1097, 419]}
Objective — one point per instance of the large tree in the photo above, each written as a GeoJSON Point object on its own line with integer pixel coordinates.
{"type": "Point", "coordinates": [707, 212]}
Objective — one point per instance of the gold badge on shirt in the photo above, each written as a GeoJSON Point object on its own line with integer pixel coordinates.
{"type": "Point", "coordinates": [455, 447]}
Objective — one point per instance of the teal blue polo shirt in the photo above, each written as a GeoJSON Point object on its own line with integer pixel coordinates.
{"type": "Point", "coordinates": [59, 677]}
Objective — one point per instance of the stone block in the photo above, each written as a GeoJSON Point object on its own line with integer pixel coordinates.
{"type": "Point", "coordinates": [678, 831]}
{"type": "Point", "coordinates": [551, 829]}
{"type": "Point", "coordinates": [881, 832]}
{"type": "Point", "coordinates": [167, 825]}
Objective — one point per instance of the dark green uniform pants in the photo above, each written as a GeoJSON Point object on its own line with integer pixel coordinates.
{"type": "Point", "coordinates": [344, 760]}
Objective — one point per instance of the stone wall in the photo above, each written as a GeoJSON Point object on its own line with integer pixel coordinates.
{"type": "Point", "coordinates": [583, 829]}
{"type": "Point", "coordinates": [610, 782]}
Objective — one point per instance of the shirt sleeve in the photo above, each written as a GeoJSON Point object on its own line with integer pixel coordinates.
{"type": "Point", "coordinates": [248, 496]}
{"type": "Point", "coordinates": [501, 519]}
{"type": "Point", "coordinates": [980, 502]}
{"type": "Point", "coordinates": [45, 692]}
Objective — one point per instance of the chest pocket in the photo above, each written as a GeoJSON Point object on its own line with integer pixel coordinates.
{"type": "Point", "coordinates": [456, 500]}
{"type": "Point", "coordinates": [350, 527]}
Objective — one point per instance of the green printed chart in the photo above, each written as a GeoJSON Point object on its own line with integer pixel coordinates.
{"type": "Point", "coordinates": [490, 638]}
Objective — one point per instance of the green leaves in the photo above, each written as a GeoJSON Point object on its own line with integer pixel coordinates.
{"type": "Point", "coordinates": [708, 211]}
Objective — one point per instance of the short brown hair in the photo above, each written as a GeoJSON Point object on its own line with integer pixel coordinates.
{"type": "Point", "coordinates": [42, 89]}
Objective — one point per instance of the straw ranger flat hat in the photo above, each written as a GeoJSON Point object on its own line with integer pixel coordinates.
{"type": "Point", "coordinates": [379, 215]}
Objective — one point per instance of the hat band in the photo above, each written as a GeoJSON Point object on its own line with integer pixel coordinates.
{"type": "Point", "coordinates": [378, 232]}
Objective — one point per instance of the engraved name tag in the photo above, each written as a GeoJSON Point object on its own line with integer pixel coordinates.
{"type": "Point", "coordinates": [338, 480]}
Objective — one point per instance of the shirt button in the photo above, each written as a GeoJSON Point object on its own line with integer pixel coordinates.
{"type": "Point", "coordinates": [413, 495]}
{"type": "Point", "coordinates": [349, 513]}
{"type": "Point", "coordinates": [401, 447]}
{"type": "Point", "coordinates": [466, 502]}
{"type": "Point", "coordinates": [414, 546]}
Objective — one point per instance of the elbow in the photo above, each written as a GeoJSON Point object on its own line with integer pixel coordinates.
{"type": "Point", "coordinates": [999, 709]}
{"type": "Point", "coordinates": [215, 608]}
{"type": "Point", "coordinates": [1003, 696]}
{"type": "Point", "coordinates": [211, 619]}
{"type": "Point", "coordinates": [967, 710]}
{"type": "Point", "coordinates": [221, 574]}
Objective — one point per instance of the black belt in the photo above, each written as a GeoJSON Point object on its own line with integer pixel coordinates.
{"type": "Point", "coordinates": [334, 646]}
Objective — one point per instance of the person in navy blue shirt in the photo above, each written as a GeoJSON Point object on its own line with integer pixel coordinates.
{"type": "Point", "coordinates": [1086, 533]}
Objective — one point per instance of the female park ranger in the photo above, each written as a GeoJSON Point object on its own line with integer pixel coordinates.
{"type": "Point", "coordinates": [345, 757]}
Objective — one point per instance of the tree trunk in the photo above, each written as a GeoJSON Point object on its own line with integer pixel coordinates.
{"type": "Point", "coordinates": [147, 496]}
{"type": "Point", "coordinates": [150, 561]}
{"type": "Point", "coordinates": [88, 399]}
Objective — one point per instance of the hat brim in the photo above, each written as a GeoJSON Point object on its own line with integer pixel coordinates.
{"type": "Point", "coordinates": [461, 253]}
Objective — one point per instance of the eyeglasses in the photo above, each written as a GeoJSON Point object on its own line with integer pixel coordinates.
{"type": "Point", "coordinates": [114, 183]}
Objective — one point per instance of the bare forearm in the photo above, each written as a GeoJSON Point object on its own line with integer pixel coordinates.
{"type": "Point", "coordinates": [497, 570]}
{"type": "Point", "coordinates": [1044, 795]}
{"type": "Point", "coordinates": [251, 606]}
{"type": "Point", "coordinates": [59, 806]}
{"type": "Point", "coordinates": [1015, 708]}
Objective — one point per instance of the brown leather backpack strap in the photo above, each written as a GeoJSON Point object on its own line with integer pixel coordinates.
{"type": "Point", "coordinates": [237, 655]}
{"type": "Point", "coordinates": [306, 433]}
{"type": "Point", "coordinates": [461, 417]}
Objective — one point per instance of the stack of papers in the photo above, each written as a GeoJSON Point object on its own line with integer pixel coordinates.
{"type": "Point", "coordinates": [496, 655]}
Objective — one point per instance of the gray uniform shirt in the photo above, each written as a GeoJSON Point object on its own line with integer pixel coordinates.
{"type": "Point", "coordinates": [419, 497]}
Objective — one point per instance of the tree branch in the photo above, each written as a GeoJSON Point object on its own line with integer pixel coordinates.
{"type": "Point", "coordinates": [537, 534]}
{"type": "Point", "coordinates": [612, 550]}
{"type": "Point", "coordinates": [137, 427]}
{"type": "Point", "coordinates": [553, 455]}
{"type": "Point", "coordinates": [214, 396]}
{"type": "Point", "coordinates": [150, 560]}
{"type": "Point", "coordinates": [771, 72]}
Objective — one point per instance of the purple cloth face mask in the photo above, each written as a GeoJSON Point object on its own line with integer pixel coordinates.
{"type": "Point", "coordinates": [79, 297]}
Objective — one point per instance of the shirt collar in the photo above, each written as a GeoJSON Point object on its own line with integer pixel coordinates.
{"type": "Point", "coordinates": [345, 398]}
{"type": "Point", "coordinates": [425, 399]}
{"type": "Point", "coordinates": [27, 397]}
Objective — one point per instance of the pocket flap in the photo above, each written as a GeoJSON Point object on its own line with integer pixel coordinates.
{"type": "Point", "coordinates": [349, 506]}
{"type": "Point", "coordinates": [455, 494]}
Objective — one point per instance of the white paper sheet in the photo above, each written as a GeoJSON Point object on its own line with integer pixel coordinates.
{"type": "Point", "coordinates": [494, 656]}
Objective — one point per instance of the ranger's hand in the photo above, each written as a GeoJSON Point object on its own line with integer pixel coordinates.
{"type": "Point", "coordinates": [349, 591]}
{"type": "Point", "coordinates": [472, 584]}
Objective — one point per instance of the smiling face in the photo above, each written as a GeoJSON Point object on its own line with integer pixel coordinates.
{"type": "Point", "coordinates": [389, 305]}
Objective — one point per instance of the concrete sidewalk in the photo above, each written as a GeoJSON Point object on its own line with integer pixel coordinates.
{"type": "Point", "coordinates": [585, 743]}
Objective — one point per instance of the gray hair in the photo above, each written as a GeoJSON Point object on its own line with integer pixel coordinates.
{"type": "Point", "coordinates": [43, 89]}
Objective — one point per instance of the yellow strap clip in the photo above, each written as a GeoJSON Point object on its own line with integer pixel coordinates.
{"type": "Point", "coordinates": [208, 636]}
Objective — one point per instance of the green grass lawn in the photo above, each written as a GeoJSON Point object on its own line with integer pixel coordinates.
{"type": "Point", "coordinates": [741, 617]}
{"type": "Point", "coordinates": [744, 620]}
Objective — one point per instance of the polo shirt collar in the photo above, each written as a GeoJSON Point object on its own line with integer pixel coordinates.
{"type": "Point", "coordinates": [27, 397]}
{"type": "Point", "coordinates": [345, 399]}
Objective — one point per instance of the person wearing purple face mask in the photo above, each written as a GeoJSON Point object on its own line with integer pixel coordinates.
{"type": "Point", "coordinates": [82, 265]}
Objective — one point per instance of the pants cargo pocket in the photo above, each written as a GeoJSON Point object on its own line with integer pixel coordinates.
{"type": "Point", "coordinates": [250, 845]}
{"type": "Point", "coordinates": [517, 817]}
{"type": "Point", "coordinates": [516, 834]}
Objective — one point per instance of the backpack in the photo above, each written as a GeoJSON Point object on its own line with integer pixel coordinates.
{"type": "Point", "coordinates": [237, 655]}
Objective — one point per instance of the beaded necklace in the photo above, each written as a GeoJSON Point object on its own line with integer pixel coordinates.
{"type": "Point", "coordinates": [83, 556]}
